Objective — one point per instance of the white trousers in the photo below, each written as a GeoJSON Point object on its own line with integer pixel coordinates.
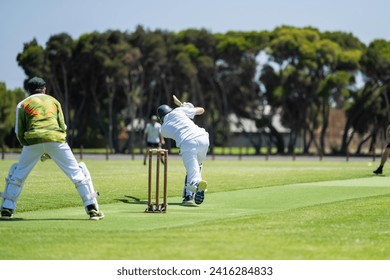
{"type": "Point", "coordinates": [193, 154]}
{"type": "Point", "coordinates": [60, 153]}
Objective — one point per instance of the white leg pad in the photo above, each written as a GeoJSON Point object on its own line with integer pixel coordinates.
{"type": "Point", "coordinates": [86, 193]}
{"type": "Point", "coordinates": [185, 192]}
{"type": "Point", "coordinates": [13, 188]}
{"type": "Point", "coordinates": [85, 188]}
{"type": "Point", "coordinates": [192, 186]}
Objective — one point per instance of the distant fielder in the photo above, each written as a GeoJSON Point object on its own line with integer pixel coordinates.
{"type": "Point", "coordinates": [385, 153]}
{"type": "Point", "coordinates": [41, 130]}
{"type": "Point", "coordinates": [193, 142]}
{"type": "Point", "coordinates": [152, 136]}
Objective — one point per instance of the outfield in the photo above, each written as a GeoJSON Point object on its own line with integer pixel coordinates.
{"type": "Point", "coordinates": [254, 209]}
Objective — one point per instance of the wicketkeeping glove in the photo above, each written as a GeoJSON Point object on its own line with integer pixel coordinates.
{"type": "Point", "coordinates": [45, 157]}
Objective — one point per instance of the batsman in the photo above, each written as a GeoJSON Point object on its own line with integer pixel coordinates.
{"type": "Point", "coordinates": [41, 130]}
{"type": "Point", "coordinates": [193, 141]}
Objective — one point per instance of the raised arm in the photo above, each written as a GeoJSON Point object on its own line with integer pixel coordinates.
{"type": "Point", "coordinates": [199, 110]}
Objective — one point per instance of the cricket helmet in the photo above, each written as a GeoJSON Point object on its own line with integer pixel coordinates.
{"type": "Point", "coordinates": [162, 110]}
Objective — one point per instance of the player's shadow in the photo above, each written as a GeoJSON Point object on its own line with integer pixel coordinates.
{"type": "Point", "coordinates": [41, 219]}
{"type": "Point", "coordinates": [131, 200]}
{"type": "Point", "coordinates": [136, 201]}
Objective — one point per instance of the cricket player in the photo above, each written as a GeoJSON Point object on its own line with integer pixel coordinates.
{"type": "Point", "coordinates": [193, 142]}
{"type": "Point", "coordinates": [152, 136]}
{"type": "Point", "coordinates": [41, 130]}
{"type": "Point", "coordinates": [385, 153]}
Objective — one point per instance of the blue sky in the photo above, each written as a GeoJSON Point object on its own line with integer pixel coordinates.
{"type": "Point", "coordinates": [23, 20]}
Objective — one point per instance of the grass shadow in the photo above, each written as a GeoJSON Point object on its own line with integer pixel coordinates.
{"type": "Point", "coordinates": [135, 200]}
{"type": "Point", "coordinates": [131, 200]}
{"type": "Point", "coordinates": [42, 219]}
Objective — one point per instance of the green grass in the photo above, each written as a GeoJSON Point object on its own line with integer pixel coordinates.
{"type": "Point", "coordinates": [254, 209]}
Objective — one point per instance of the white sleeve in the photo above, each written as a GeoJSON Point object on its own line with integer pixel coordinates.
{"type": "Point", "coordinates": [189, 112]}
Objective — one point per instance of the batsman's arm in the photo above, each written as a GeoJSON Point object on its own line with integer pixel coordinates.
{"type": "Point", "coordinates": [199, 110]}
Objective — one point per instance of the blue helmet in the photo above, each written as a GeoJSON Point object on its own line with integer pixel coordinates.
{"type": "Point", "coordinates": [162, 110]}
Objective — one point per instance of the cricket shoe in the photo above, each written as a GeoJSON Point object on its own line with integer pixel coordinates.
{"type": "Point", "coordinates": [188, 200]}
{"type": "Point", "coordinates": [6, 214]}
{"type": "Point", "coordinates": [95, 215]}
{"type": "Point", "coordinates": [378, 171]}
{"type": "Point", "coordinates": [202, 188]}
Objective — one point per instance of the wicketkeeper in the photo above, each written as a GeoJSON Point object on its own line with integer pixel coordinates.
{"type": "Point", "coordinates": [41, 130]}
{"type": "Point", "coordinates": [193, 142]}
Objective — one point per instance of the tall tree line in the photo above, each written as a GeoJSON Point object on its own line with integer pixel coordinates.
{"type": "Point", "coordinates": [108, 80]}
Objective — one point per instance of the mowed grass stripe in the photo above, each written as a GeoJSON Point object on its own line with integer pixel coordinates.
{"type": "Point", "coordinates": [217, 206]}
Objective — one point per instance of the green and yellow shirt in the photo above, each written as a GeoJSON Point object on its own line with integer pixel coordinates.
{"type": "Point", "coordinates": [39, 119]}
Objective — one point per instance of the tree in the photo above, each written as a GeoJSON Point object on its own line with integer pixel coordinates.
{"type": "Point", "coordinates": [59, 50]}
{"type": "Point", "coordinates": [376, 69]}
{"type": "Point", "coordinates": [33, 61]}
{"type": "Point", "coordinates": [8, 101]}
{"type": "Point", "coordinates": [91, 116]}
{"type": "Point", "coordinates": [103, 79]}
{"type": "Point", "coordinates": [304, 60]}
{"type": "Point", "coordinates": [236, 68]}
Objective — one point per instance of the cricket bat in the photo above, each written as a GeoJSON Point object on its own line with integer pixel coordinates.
{"type": "Point", "coordinates": [177, 101]}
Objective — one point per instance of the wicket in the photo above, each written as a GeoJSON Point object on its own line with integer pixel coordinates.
{"type": "Point", "coordinates": [155, 207]}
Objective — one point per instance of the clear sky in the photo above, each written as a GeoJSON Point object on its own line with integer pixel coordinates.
{"type": "Point", "coordinates": [23, 20]}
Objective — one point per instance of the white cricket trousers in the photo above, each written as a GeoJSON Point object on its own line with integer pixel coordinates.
{"type": "Point", "coordinates": [193, 154]}
{"type": "Point", "coordinates": [60, 153]}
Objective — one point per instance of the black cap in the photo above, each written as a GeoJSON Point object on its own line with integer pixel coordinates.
{"type": "Point", "coordinates": [35, 83]}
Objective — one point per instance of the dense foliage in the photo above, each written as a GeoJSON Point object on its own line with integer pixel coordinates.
{"type": "Point", "coordinates": [112, 82]}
